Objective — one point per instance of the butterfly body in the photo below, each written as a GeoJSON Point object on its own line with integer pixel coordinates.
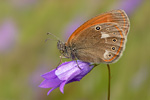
{"type": "Point", "coordinates": [101, 39]}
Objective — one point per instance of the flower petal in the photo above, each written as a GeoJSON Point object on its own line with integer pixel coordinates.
{"type": "Point", "coordinates": [51, 90]}
{"type": "Point", "coordinates": [66, 71]}
{"type": "Point", "coordinates": [50, 75]}
{"type": "Point", "coordinates": [62, 86]}
{"type": "Point", "coordinates": [85, 69]}
{"type": "Point", "coordinates": [50, 83]}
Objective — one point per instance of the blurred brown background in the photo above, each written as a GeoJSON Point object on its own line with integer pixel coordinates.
{"type": "Point", "coordinates": [24, 55]}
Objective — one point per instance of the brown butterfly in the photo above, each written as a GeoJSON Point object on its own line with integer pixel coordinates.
{"type": "Point", "coordinates": [101, 39]}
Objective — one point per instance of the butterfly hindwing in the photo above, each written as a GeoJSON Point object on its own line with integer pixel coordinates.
{"type": "Point", "coordinates": [101, 43]}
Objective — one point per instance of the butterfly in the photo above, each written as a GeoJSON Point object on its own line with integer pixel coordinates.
{"type": "Point", "coordinates": [101, 39]}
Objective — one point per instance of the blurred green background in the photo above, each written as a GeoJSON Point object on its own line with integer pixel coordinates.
{"type": "Point", "coordinates": [24, 54]}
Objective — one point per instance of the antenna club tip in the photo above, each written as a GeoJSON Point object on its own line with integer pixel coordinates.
{"type": "Point", "coordinates": [48, 33]}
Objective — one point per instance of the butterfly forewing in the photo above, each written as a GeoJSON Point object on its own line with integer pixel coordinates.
{"type": "Point", "coordinates": [116, 16]}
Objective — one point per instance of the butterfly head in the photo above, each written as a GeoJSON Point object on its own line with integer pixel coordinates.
{"type": "Point", "coordinates": [61, 46]}
{"type": "Point", "coordinates": [63, 49]}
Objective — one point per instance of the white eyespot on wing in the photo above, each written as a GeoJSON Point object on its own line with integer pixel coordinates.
{"type": "Point", "coordinates": [104, 35]}
{"type": "Point", "coordinates": [106, 54]}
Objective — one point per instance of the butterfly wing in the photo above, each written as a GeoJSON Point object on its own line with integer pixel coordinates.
{"type": "Point", "coordinates": [116, 16]}
{"type": "Point", "coordinates": [101, 39]}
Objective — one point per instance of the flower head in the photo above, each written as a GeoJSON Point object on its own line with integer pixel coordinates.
{"type": "Point", "coordinates": [65, 73]}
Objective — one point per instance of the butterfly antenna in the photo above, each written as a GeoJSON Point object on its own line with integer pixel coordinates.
{"type": "Point", "coordinates": [52, 35]}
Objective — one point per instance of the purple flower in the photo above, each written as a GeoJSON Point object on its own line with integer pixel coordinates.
{"type": "Point", "coordinates": [65, 73]}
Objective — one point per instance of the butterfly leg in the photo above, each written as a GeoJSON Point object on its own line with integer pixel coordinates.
{"type": "Point", "coordinates": [78, 64]}
{"type": "Point", "coordinates": [75, 58]}
{"type": "Point", "coordinates": [59, 61]}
